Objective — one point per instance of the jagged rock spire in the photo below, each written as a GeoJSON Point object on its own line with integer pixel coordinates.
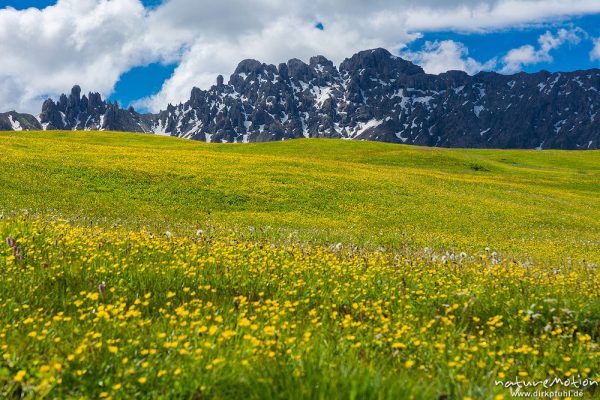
{"type": "Point", "coordinates": [373, 95]}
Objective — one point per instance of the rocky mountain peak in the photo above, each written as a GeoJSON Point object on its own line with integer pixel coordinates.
{"type": "Point", "coordinates": [219, 81]}
{"type": "Point", "coordinates": [299, 70]}
{"type": "Point", "coordinates": [196, 96]}
{"type": "Point", "coordinates": [75, 93]}
{"type": "Point", "coordinates": [90, 112]}
{"type": "Point", "coordinates": [320, 61]}
{"type": "Point", "coordinates": [373, 95]}
{"type": "Point", "coordinates": [379, 62]}
{"type": "Point", "coordinates": [249, 67]}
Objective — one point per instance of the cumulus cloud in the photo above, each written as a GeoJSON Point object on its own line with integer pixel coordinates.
{"type": "Point", "coordinates": [595, 53]}
{"type": "Point", "coordinates": [274, 31]}
{"type": "Point", "coordinates": [93, 42]}
{"type": "Point", "coordinates": [45, 52]}
{"type": "Point", "coordinates": [283, 38]}
{"type": "Point", "coordinates": [441, 56]}
{"type": "Point", "coordinates": [490, 15]}
{"type": "Point", "coordinates": [517, 58]}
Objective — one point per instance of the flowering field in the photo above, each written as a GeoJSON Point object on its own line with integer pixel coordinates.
{"type": "Point", "coordinates": [161, 268]}
{"type": "Point", "coordinates": [101, 313]}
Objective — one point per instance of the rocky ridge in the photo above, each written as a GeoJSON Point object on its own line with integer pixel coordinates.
{"type": "Point", "coordinates": [371, 96]}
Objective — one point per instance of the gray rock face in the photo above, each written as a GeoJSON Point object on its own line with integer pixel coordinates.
{"type": "Point", "coordinates": [14, 121]}
{"type": "Point", "coordinates": [371, 96]}
{"type": "Point", "coordinates": [377, 96]}
{"type": "Point", "coordinates": [91, 113]}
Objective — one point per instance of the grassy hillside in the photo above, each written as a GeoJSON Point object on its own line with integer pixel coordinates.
{"type": "Point", "coordinates": [516, 202]}
{"type": "Point", "coordinates": [153, 267]}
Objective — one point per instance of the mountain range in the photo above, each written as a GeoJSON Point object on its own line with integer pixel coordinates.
{"type": "Point", "coordinates": [372, 95]}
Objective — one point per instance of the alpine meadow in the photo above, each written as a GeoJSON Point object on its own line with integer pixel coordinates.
{"type": "Point", "coordinates": [140, 266]}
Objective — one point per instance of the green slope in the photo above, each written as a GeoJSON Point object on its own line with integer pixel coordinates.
{"type": "Point", "coordinates": [259, 304]}
{"type": "Point", "coordinates": [372, 194]}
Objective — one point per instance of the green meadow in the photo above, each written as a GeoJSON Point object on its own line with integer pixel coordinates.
{"type": "Point", "coordinates": [137, 266]}
{"type": "Point", "coordinates": [327, 191]}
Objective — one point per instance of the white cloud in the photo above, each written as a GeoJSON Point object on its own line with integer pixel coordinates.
{"type": "Point", "coordinates": [88, 42]}
{"type": "Point", "coordinates": [490, 15]}
{"type": "Point", "coordinates": [93, 42]}
{"type": "Point", "coordinates": [595, 53]}
{"type": "Point", "coordinates": [441, 56]}
{"type": "Point", "coordinates": [273, 31]}
{"type": "Point", "coordinates": [284, 38]}
{"type": "Point", "coordinates": [517, 58]}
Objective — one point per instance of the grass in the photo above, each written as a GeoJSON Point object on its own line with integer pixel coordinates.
{"type": "Point", "coordinates": [301, 269]}
{"type": "Point", "coordinates": [370, 194]}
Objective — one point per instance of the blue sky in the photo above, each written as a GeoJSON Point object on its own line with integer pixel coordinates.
{"type": "Point", "coordinates": [484, 46]}
{"type": "Point", "coordinates": [481, 46]}
{"type": "Point", "coordinates": [159, 54]}
{"type": "Point", "coordinates": [134, 84]}
{"type": "Point", "coordinates": [23, 4]}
